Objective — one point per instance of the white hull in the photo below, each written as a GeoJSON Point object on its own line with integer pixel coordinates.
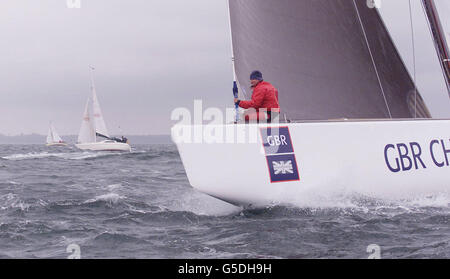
{"type": "Point", "coordinates": [104, 146]}
{"type": "Point", "coordinates": [355, 156]}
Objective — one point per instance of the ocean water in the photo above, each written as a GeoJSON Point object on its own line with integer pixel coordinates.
{"type": "Point", "coordinates": [62, 202]}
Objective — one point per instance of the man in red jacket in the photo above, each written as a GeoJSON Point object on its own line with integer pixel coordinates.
{"type": "Point", "coordinates": [264, 99]}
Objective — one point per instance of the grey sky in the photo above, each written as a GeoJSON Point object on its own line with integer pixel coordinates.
{"type": "Point", "coordinates": [151, 56]}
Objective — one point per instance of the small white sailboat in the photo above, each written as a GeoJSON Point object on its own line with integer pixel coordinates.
{"type": "Point", "coordinates": [93, 126]}
{"type": "Point", "coordinates": [53, 139]}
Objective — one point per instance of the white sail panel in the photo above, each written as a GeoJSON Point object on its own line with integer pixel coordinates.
{"type": "Point", "coordinates": [87, 132]}
{"type": "Point", "coordinates": [50, 136]}
{"type": "Point", "coordinates": [55, 136]}
{"type": "Point", "coordinates": [99, 122]}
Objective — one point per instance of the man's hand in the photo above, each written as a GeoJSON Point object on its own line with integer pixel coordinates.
{"type": "Point", "coordinates": [236, 100]}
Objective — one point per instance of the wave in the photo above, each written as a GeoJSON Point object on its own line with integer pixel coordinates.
{"type": "Point", "coordinates": [167, 155]}
{"type": "Point", "coordinates": [31, 155]}
{"type": "Point", "coordinates": [109, 238]}
{"type": "Point", "coordinates": [12, 201]}
{"type": "Point", "coordinates": [111, 198]}
{"type": "Point", "coordinates": [120, 206]}
{"type": "Point", "coordinates": [67, 156]}
{"type": "Point", "coordinates": [143, 155]}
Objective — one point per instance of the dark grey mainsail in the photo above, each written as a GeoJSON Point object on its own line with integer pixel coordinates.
{"type": "Point", "coordinates": [330, 59]}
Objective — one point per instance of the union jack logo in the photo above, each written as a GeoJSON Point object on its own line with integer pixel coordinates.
{"type": "Point", "coordinates": [280, 155]}
{"type": "Point", "coordinates": [283, 167]}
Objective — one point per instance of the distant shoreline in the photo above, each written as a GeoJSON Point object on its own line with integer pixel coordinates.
{"type": "Point", "coordinates": [71, 139]}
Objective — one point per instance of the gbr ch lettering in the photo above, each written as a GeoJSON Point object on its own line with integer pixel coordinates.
{"type": "Point", "coordinates": [406, 157]}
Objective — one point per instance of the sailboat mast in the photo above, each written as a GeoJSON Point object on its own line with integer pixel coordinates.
{"type": "Point", "coordinates": [439, 38]}
{"type": "Point", "coordinates": [231, 37]}
{"type": "Point", "coordinates": [92, 78]}
{"type": "Point", "coordinates": [235, 84]}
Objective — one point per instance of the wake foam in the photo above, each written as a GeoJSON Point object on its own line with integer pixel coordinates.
{"type": "Point", "coordinates": [355, 202]}
{"type": "Point", "coordinates": [365, 197]}
{"type": "Point", "coordinates": [31, 155]}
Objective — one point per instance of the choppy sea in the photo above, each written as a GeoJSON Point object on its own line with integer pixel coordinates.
{"type": "Point", "coordinates": [63, 202]}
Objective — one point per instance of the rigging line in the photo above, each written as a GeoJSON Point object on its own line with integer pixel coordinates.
{"type": "Point", "coordinates": [373, 60]}
{"type": "Point", "coordinates": [414, 58]}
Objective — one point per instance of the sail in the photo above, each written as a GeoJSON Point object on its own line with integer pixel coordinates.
{"type": "Point", "coordinates": [55, 136]}
{"type": "Point", "coordinates": [87, 132]}
{"type": "Point", "coordinates": [328, 59]}
{"type": "Point", "coordinates": [50, 136]}
{"type": "Point", "coordinates": [99, 122]}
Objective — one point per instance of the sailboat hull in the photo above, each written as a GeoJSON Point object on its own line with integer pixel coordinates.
{"type": "Point", "coordinates": [104, 146]}
{"type": "Point", "coordinates": [57, 144]}
{"type": "Point", "coordinates": [379, 159]}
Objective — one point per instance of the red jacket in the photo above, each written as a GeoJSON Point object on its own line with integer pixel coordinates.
{"type": "Point", "coordinates": [265, 96]}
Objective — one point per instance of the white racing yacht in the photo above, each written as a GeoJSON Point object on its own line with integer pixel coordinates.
{"type": "Point", "coordinates": [93, 134]}
{"type": "Point", "coordinates": [353, 116]}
